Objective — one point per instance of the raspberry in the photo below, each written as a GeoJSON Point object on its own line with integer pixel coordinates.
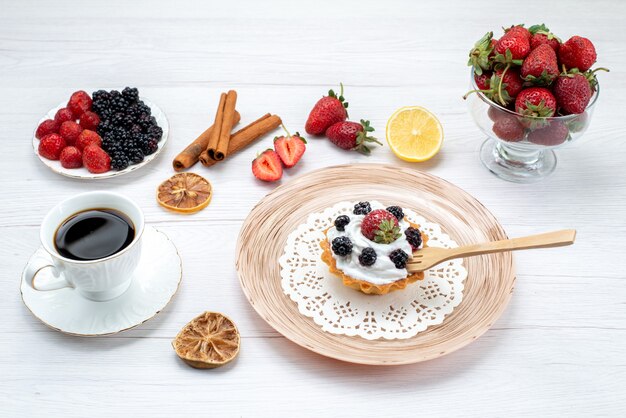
{"type": "Point", "coordinates": [79, 103]}
{"type": "Point", "coordinates": [362, 208]}
{"type": "Point", "coordinates": [96, 160]}
{"type": "Point", "coordinates": [380, 226]}
{"type": "Point", "coordinates": [47, 127]}
{"type": "Point", "coordinates": [341, 222]}
{"type": "Point", "coordinates": [89, 120]}
{"type": "Point", "coordinates": [396, 211]}
{"type": "Point", "coordinates": [71, 157]}
{"type": "Point", "coordinates": [414, 237]}
{"type": "Point", "coordinates": [70, 131]}
{"type": "Point", "coordinates": [399, 258]}
{"type": "Point", "coordinates": [63, 115]}
{"type": "Point", "coordinates": [367, 257]}
{"type": "Point", "coordinates": [51, 146]}
{"type": "Point", "coordinates": [87, 138]}
{"type": "Point", "coordinates": [342, 246]}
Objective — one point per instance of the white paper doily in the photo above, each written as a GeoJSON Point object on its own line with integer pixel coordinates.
{"type": "Point", "coordinates": [339, 309]}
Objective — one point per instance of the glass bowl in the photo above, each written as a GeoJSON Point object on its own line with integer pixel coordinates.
{"type": "Point", "coordinates": [521, 148]}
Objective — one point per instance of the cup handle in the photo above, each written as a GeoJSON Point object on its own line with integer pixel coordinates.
{"type": "Point", "coordinates": [57, 281]}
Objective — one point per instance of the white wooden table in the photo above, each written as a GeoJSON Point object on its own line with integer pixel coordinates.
{"type": "Point", "coordinates": [560, 347]}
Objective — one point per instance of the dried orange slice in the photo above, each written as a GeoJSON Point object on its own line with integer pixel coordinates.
{"type": "Point", "coordinates": [185, 193]}
{"type": "Point", "coordinates": [208, 341]}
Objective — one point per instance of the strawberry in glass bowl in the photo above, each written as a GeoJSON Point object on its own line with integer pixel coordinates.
{"type": "Point", "coordinates": [530, 93]}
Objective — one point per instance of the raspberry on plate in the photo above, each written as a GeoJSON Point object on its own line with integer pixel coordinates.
{"type": "Point", "coordinates": [47, 127]}
{"type": "Point", "coordinates": [51, 145]}
{"type": "Point", "coordinates": [89, 120]}
{"type": "Point", "coordinates": [63, 115]}
{"type": "Point", "coordinates": [79, 103]}
{"type": "Point", "coordinates": [71, 157]}
{"type": "Point", "coordinates": [70, 131]}
{"type": "Point", "coordinates": [87, 138]}
{"type": "Point", "coordinates": [96, 160]}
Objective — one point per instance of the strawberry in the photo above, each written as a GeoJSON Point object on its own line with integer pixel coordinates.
{"type": "Point", "coordinates": [47, 127]}
{"type": "Point", "coordinates": [290, 148]}
{"type": "Point", "coordinates": [541, 35]}
{"type": "Point", "coordinates": [71, 157]}
{"type": "Point", "coordinates": [517, 42]}
{"type": "Point", "coordinates": [518, 30]}
{"type": "Point", "coordinates": [508, 128]}
{"type": "Point", "coordinates": [479, 56]}
{"type": "Point", "coordinates": [352, 135]}
{"type": "Point", "coordinates": [70, 131]}
{"type": "Point", "coordinates": [573, 92]}
{"type": "Point", "coordinates": [577, 52]}
{"type": "Point", "coordinates": [51, 145]}
{"type": "Point", "coordinates": [87, 138]}
{"type": "Point", "coordinates": [63, 115]}
{"type": "Point", "coordinates": [89, 120]}
{"type": "Point", "coordinates": [540, 66]}
{"type": "Point", "coordinates": [555, 133]}
{"type": "Point", "coordinates": [327, 111]}
{"type": "Point", "coordinates": [267, 166]}
{"type": "Point", "coordinates": [79, 103]}
{"type": "Point", "coordinates": [537, 102]}
{"type": "Point", "coordinates": [380, 226]}
{"type": "Point", "coordinates": [482, 80]}
{"type": "Point", "coordinates": [502, 90]}
{"type": "Point", "coordinates": [96, 160]}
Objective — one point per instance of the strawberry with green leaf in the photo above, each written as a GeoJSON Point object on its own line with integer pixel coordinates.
{"type": "Point", "coordinates": [540, 67]}
{"type": "Point", "coordinates": [541, 35]}
{"type": "Point", "coordinates": [479, 56]}
{"type": "Point", "coordinates": [381, 226]}
{"type": "Point", "coordinates": [352, 136]}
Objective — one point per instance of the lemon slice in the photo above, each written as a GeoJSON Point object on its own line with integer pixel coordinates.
{"type": "Point", "coordinates": [414, 134]}
{"type": "Point", "coordinates": [184, 193]}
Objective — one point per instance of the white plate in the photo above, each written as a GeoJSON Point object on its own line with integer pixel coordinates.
{"type": "Point", "coordinates": [82, 172]}
{"type": "Point", "coordinates": [155, 281]}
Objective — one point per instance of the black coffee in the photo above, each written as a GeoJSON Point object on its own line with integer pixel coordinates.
{"type": "Point", "coordinates": [94, 234]}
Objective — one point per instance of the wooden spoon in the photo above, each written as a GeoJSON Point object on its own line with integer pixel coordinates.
{"type": "Point", "coordinates": [431, 256]}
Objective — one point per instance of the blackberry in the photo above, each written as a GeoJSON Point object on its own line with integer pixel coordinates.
{"type": "Point", "coordinates": [143, 108]}
{"type": "Point", "coordinates": [399, 258]}
{"type": "Point", "coordinates": [396, 211]}
{"type": "Point", "coordinates": [118, 104]}
{"type": "Point", "coordinates": [131, 94]}
{"type": "Point", "coordinates": [117, 119]}
{"type": "Point", "coordinates": [145, 121]}
{"type": "Point", "coordinates": [150, 147]}
{"type": "Point", "coordinates": [100, 96]}
{"type": "Point", "coordinates": [362, 208]}
{"type": "Point", "coordinates": [367, 257]}
{"type": "Point", "coordinates": [342, 246]}
{"type": "Point", "coordinates": [341, 222]}
{"type": "Point", "coordinates": [135, 129]}
{"type": "Point", "coordinates": [414, 237]}
{"type": "Point", "coordinates": [128, 120]}
{"type": "Point", "coordinates": [119, 161]}
{"type": "Point", "coordinates": [155, 132]}
{"type": "Point", "coordinates": [135, 155]}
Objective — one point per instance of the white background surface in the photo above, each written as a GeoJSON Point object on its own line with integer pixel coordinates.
{"type": "Point", "coordinates": [560, 347]}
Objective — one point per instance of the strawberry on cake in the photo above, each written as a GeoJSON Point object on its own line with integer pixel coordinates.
{"type": "Point", "coordinates": [369, 248]}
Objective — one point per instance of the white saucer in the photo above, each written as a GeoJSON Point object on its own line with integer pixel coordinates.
{"type": "Point", "coordinates": [82, 173]}
{"type": "Point", "coordinates": [154, 283]}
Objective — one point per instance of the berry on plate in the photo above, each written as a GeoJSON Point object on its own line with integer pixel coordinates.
{"type": "Point", "coordinates": [399, 258]}
{"type": "Point", "coordinates": [352, 136]}
{"type": "Point", "coordinates": [47, 127]}
{"type": "Point", "coordinates": [327, 111]}
{"type": "Point", "coordinates": [267, 166]}
{"type": "Point", "coordinates": [87, 138]}
{"type": "Point", "coordinates": [70, 131]}
{"type": "Point", "coordinates": [71, 157]}
{"type": "Point", "coordinates": [51, 145]}
{"type": "Point", "coordinates": [380, 226]}
{"type": "Point", "coordinates": [63, 115]}
{"type": "Point", "coordinates": [290, 148]}
{"type": "Point", "coordinates": [89, 120]}
{"type": "Point", "coordinates": [342, 246]}
{"type": "Point", "coordinates": [362, 208]}
{"type": "Point", "coordinates": [341, 222]}
{"type": "Point", "coordinates": [396, 211]}
{"type": "Point", "coordinates": [96, 160]}
{"type": "Point", "coordinates": [414, 237]}
{"type": "Point", "coordinates": [368, 256]}
{"type": "Point", "coordinates": [577, 52]}
{"type": "Point", "coordinates": [79, 103]}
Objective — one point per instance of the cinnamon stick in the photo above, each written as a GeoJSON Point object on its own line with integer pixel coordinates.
{"type": "Point", "coordinates": [190, 155]}
{"type": "Point", "coordinates": [214, 138]}
{"type": "Point", "coordinates": [247, 135]}
{"type": "Point", "coordinates": [221, 149]}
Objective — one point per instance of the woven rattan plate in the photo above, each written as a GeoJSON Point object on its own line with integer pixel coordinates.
{"type": "Point", "coordinates": [488, 286]}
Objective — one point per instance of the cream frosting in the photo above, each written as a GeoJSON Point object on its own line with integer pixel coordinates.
{"type": "Point", "coordinates": [383, 271]}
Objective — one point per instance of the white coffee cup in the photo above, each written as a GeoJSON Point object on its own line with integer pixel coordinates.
{"type": "Point", "coordinates": [101, 279]}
